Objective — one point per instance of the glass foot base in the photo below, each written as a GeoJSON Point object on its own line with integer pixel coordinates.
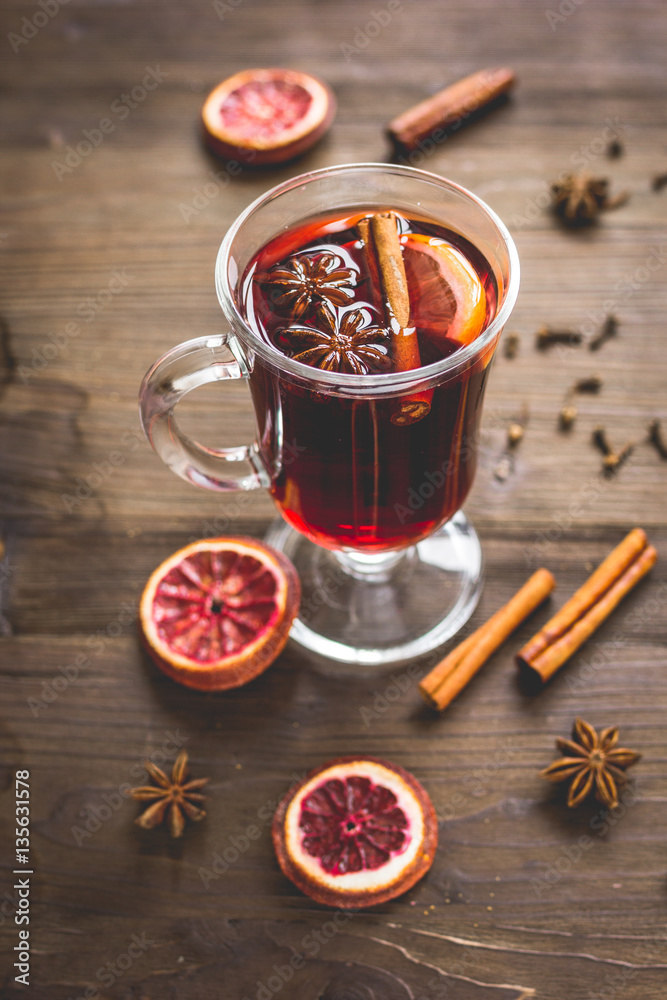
{"type": "Point", "coordinates": [377, 610]}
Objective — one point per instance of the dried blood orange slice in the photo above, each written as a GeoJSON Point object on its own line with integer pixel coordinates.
{"type": "Point", "coordinates": [447, 297]}
{"type": "Point", "coordinates": [218, 612]}
{"type": "Point", "coordinates": [356, 832]}
{"type": "Point", "coordinates": [263, 116]}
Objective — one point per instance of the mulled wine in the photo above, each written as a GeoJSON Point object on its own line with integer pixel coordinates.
{"type": "Point", "coordinates": [368, 293]}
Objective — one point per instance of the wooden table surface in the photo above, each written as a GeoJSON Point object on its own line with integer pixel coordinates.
{"type": "Point", "coordinates": [525, 898]}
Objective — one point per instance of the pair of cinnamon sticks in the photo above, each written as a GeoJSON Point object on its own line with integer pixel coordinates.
{"type": "Point", "coordinates": [384, 261]}
{"type": "Point", "coordinates": [562, 635]}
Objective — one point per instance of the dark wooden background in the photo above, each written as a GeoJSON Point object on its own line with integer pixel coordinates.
{"type": "Point", "coordinates": [514, 906]}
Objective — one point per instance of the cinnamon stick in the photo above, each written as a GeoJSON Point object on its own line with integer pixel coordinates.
{"type": "Point", "coordinates": [587, 595]}
{"type": "Point", "coordinates": [430, 684]}
{"type": "Point", "coordinates": [385, 264]}
{"type": "Point", "coordinates": [449, 108]}
{"type": "Point", "coordinates": [579, 617]}
{"type": "Point", "coordinates": [409, 409]}
{"type": "Point", "coordinates": [394, 282]}
{"type": "Point", "coordinates": [449, 677]}
{"type": "Point", "coordinates": [370, 257]}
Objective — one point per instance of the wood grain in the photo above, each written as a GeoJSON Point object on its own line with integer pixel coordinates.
{"type": "Point", "coordinates": [525, 898]}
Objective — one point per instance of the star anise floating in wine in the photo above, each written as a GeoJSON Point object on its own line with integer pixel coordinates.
{"type": "Point", "coordinates": [579, 198]}
{"type": "Point", "coordinates": [592, 763]}
{"type": "Point", "coordinates": [341, 343]}
{"type": "Point", "coordinates": [310, 280]}
{"type": "Point", "coordinates": [171, 798]}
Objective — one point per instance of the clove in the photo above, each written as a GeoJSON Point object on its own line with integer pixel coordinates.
{"type": "Point", "coordinates": [612, 460]}
{"type": "Point", "coordinates": [514, 434]}
{"type": "Point", "coordinates": [615, 149]}
{"type": "Point", "coordinates": [546, 336]}
{"type": "Point", "coordinates": [512, 343]}
{"type": "Point", "coordinates": [600, 441]}
{"type": "Point", "coordinates": [609, 329]}
{"type": "Point", "coordinates": [656, 438]}
{"type": "Point", "coordinates": [568, 413]}
{"type": "Point", "coordinates": [591, 384]}
{"type": "Point", "coordinates": [566, 417]}
{"type": "Point", "coordinates": [515, 431]}
{"type": "Point", "coordinates": [516, 427]}
{"type": "Point", "coordinates": [659, 181]}
{"type": "Point", "coordinates": [503, 467]}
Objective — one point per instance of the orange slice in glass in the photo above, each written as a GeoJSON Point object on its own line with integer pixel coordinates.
{"type": "Point", "coordinates": [218, 612]}
{"type": "Point", "coordinates": [447, 297]}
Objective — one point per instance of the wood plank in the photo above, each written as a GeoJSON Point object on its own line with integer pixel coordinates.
{"type": "Point", "coordinates": [526, 898]}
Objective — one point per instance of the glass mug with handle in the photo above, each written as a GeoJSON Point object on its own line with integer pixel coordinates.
{"type": "Point", "coordinates": [368, 463]}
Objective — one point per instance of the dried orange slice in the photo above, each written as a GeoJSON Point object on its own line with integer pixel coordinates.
{"type": "Point", "coordinates": [356, 832]}
{"type": "Point", "coordinates": [447, 297]}
{"type": "Point", "coordinates": [218, 612]}
{"type": "Point", "coordinates": [263, 116]}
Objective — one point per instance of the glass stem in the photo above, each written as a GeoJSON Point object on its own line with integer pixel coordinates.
{"type": "Point", "coordinates": [376, 567]}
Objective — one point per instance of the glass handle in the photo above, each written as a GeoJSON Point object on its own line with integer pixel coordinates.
{"type": "Point", "coordinates": [184, 368]}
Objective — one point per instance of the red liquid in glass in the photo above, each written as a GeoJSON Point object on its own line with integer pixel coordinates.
{"type": "Point", "coordinates": [344, 474]}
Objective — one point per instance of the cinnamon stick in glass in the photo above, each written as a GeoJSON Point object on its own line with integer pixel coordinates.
{"type": "Point", "coordinates": [374, 293]}
{"type": "Point", "coordinates": [395, 286]}
{"type": "Point", "coordinates": [385, 259]}
{"type": "Point", "coordinates": [579, 617]}
{"type": "Point", "coordinates": [452, 674]}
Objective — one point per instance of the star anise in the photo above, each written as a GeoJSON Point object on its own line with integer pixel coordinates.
{"type": "Point", "coordinates": [592, 763]}
{"type": "Point", "coordinates": [171, 798]}
{"type": "Point", "coordinates": [579, 198]}
{"type": "Point", "coordinates": [342, 343]}
{"type": "Point", "coordinates": [310, 280]}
